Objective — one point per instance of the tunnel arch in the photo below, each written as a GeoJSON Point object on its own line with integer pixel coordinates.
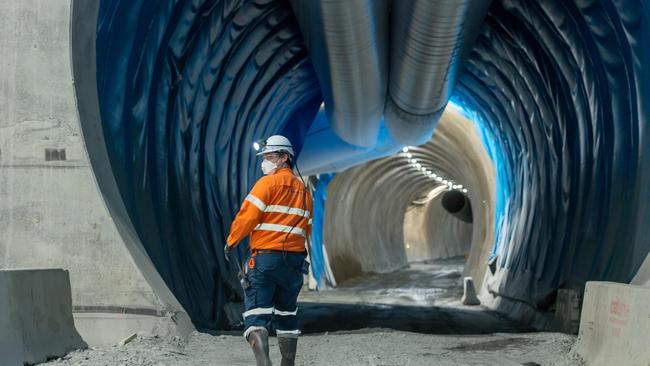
{"type": "Point", "coordinates": [366, 205]}
{"type": "Point", "coordinates": [559, 89]}
{"type": "Point", "coordinates": [171, 94]}
{"type": "Point", "coordinates": [183, 88]}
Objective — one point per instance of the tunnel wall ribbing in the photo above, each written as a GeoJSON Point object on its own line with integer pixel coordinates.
{"type": "Point", "coordinates": [560, 88]}
{"type": "Point", "coordinates": [184, 88]}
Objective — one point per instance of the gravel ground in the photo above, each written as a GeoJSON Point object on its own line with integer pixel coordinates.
{"type": "Point", "coordinates": [409, 317]}
{"type": "Point", "coordinates": [361, 347]}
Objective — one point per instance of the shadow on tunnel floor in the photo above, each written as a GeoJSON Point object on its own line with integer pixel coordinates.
{"type": "Point", "coordinates": [324, 317]}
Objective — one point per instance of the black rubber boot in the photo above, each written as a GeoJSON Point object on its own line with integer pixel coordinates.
{"type": "Point", "coordinates": [259, 341]}
{"type": "Point", "coordinates": [288, 350]}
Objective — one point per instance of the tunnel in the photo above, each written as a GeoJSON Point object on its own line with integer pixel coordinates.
{"type": "Point", "coordinates": [532, 116]}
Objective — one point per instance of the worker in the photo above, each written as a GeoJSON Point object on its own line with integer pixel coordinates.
{"type": "Point", "coordinates": [277, 215]}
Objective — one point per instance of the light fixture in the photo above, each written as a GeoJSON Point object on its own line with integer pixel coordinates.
{"type": "Point", "coordinates": [256, 146]}
{"type": "Point", "coordinates": [439, 179]}
{"type": "Point", "coordinates": [418, 165]}
{"type": "Point", "coordinates": [405, 149]}
{"type": "Point", "coordinates": [464, 190]}
{"type": "Point", "coordinates": [409, 155]}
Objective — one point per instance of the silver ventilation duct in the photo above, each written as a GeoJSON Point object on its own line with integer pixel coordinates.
{"type": "Point", "coordinates": [347, 42]}
{"type": "Point", "coordinates": [429, 41]}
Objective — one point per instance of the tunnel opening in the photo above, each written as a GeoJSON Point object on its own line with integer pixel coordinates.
{"type": "Point", "coordinates": [398, 250]}
{"type": "Point", "coordinates": [175, 92]}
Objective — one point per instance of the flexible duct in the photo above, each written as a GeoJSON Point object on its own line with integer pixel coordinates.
{"type": "Point", "coordinates": [429, 40]}
{"type": "Point", "coordinates": [347, 43]}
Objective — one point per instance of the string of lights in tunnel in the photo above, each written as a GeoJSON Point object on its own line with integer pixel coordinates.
{"type": "Point", "coordinates": [428, 172]}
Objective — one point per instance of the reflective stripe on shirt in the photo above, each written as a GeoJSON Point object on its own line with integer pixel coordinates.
{"type": "Point", "coordinates": [280, 228]}
{"type": "Point", "coordinates": [256, 201]}
{"type": "Point", "coordinates": [287, 210]}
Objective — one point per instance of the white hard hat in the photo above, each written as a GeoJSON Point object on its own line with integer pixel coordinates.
{"type": "Point", "coordinates": [276, 143]}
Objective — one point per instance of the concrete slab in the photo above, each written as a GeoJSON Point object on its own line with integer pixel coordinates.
{"type": "Point", "coordinates": [615, 325]}
{"type": "Point", "coordinates": [105, 329]}
{"type": "Point", "coordinates": [36, 316]}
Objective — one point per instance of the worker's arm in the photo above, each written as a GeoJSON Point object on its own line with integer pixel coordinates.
{"type": "Point", "coordinates": [250, 213]}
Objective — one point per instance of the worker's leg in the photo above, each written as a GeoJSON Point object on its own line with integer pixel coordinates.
{"type": "Point", "coordinates": [259, 299]}
{"type": "Point", "coordinates": [259, 310]}
{"type": "Point", "coordinates": [289, 282]}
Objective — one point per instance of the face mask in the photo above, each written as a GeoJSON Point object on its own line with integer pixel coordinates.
{"type": "Point", "coordinates": [268, 166]}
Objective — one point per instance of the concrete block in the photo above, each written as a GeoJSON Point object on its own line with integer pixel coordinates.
{"type": "Point", "coordinates": [615, 325]}
{"type": "Point", "coordinates": [36, 321]}
{"type": "Point", "coordinates": [469, 292]}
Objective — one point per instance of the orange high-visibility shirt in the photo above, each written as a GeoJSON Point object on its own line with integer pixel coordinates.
{"type": "Point", "coordinates": [276, 204]}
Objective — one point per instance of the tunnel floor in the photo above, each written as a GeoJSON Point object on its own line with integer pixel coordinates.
{"type": "Point", "coordinates": [423, 298]}
{"type": "Point", "coordinates": [409, 317]}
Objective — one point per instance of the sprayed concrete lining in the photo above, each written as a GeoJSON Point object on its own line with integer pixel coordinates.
{"type": "Point", "coordinates": [430, 232]}
{"type": "Point", "coordinates": [367, 226]}
{"type": "Point", "coordinates": [36, 316]}
{"type": "Point", "coordinates": [615, 325]}
{"type": "Point", "coordinates": [51, 211]}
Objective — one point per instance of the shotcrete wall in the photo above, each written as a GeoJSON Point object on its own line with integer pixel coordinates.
{"type": "Point", "coordinates": [366, 206]}
{"type": "Point", "coordinates": [51, 212]}
{"type": "Point", "coordinates": [430, 232]}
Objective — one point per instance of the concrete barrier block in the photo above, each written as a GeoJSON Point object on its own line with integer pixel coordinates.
{"type": "Point", "coordinates": [615, 325]}
{"type": "Point", "coordinates": [36, 321]}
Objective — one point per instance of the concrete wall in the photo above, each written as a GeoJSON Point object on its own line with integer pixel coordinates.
{"type": "Point", "coordinates": [36, 317]}
{"type": "Point", "coordinates": [614, 325]}
{"type": "Point", "coordinates": [430, 232]}
{"type": "Point", "coordinates": [51, 213]}
{"type": "Point", "coordinates": [364, 227]}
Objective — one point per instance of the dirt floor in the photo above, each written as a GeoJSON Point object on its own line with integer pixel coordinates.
{"type": "Point", "coordinates": [363, 347]}
{"type": "Point", "coordinates": [409, 317]}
